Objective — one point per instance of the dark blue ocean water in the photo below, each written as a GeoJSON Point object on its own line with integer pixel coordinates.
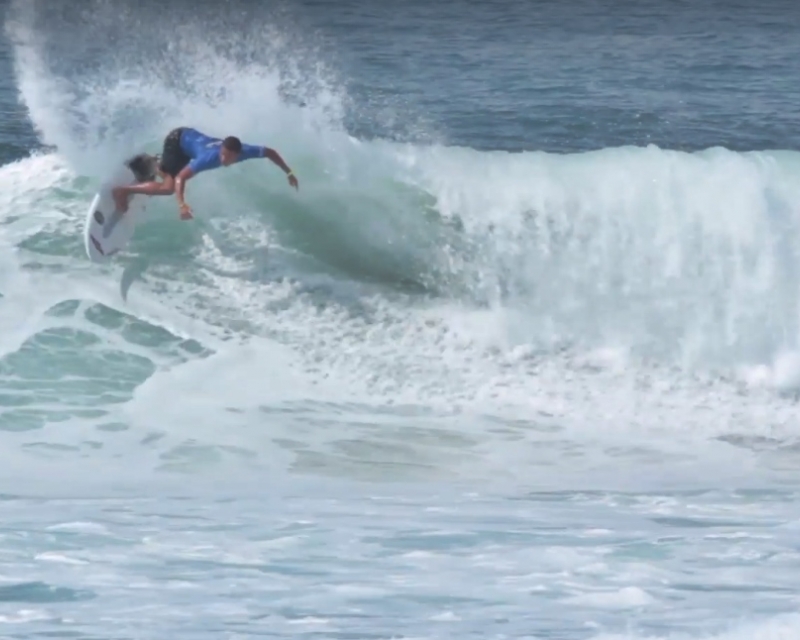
{"type": "Point", "coordinates": [512, 75]}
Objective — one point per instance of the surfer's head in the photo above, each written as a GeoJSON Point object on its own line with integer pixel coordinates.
{"type": "Point", "coordinates": [230, 150]}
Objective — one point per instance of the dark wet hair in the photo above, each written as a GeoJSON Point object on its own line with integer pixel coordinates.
{"type": "Point", "coordinates": [232, 143]}
{"type": "Point", "coordinates": [143, 166]}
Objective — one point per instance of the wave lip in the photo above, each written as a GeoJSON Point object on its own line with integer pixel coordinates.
{"type": "Point", "coordinates": [688, 256]}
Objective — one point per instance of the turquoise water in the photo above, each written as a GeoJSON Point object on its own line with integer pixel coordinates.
{"type": "Point", "coordinates": [519, 360]}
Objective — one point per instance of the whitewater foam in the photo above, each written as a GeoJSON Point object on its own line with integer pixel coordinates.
{"type": "Point", "coordinates": [369, 345]}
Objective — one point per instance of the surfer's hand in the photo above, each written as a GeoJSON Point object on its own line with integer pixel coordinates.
{"type": "Point", "coordinates": [292, 179]}
{"type": "Point", "coordinates": [186, 211]}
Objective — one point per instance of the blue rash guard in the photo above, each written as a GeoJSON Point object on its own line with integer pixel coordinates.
{"type": "Point", "coordinates": [204, 150]}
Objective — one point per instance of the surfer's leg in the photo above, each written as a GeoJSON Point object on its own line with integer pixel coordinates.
{"type": "Point", "coordinates": [173, 157]}
{"type": "Point", "coordinates": [155, 188]}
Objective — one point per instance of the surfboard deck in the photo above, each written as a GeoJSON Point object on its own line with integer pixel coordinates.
{"type": "Point", "coordinates": [106, 230]}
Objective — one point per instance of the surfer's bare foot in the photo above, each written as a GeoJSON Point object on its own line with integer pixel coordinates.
{"type": "Point", "coordinates": [120, 199]}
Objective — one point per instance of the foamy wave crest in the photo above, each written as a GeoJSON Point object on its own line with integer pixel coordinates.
{"type": "Point", "coordinates": [693, 257]}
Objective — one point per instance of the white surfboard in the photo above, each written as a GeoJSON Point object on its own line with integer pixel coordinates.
{"type": "Point", "coordinates": [106, 230]}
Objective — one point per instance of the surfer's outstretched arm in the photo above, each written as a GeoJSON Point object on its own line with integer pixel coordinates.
{"type": "Point", "coordinates": [180, 186]}
{"type": "Point", "coordinates": [275, 157]}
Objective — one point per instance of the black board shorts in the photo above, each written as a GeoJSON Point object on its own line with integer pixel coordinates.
{"type": "Point", "coordinates": [173, 158]}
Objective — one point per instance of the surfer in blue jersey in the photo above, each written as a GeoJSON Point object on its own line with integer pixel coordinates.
{"type": "Point", "coordinates": [186, 153]}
